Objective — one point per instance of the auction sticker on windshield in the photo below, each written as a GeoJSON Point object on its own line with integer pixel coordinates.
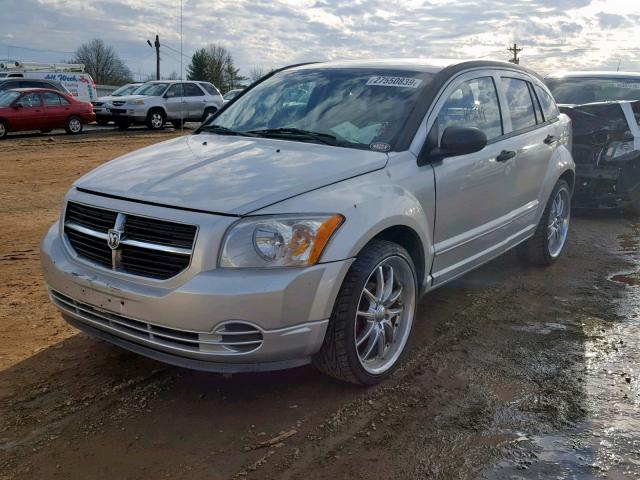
{"type": "Point", "coordinates": [383, 81]}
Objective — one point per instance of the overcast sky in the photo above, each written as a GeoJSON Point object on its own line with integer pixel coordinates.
{"type": "Point", "coordinates": [567, 34]}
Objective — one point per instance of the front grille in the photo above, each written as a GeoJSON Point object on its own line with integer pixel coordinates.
{"type": "Point", "coordinates": [147, 247]}
{"type": "Point", "coordinates": [97, 104]}
{"type": "Point", "coordinates": [118, 103]}
{"type": "Point", "coordinates": [227, 339]}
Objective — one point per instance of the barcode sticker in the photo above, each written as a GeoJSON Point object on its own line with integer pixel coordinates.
{"type": "Point", "coordinates": [405, 82]}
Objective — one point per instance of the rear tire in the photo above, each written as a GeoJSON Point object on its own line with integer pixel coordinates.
{"type": "Point", "coordinates": [3, 129]}
{"type": "Point", "coordinates": [549, 241]}
{"type": "Point", "coordinates": [371, 319]}
{"type": "Point", "coordinates": [73, 125]}
{"type": "Point", "coordinates": [156, 119]}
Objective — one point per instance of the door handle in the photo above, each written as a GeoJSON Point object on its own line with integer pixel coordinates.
{"type": "Point", "coordinates": [549, 139]}
{"type": "Point", "coordinates": [505, 155]}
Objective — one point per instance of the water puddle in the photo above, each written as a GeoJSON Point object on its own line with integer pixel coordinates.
{"type": "Point", "coordinates": [632, 279]}
{"type": "Point", "coordinates": [606, 444]}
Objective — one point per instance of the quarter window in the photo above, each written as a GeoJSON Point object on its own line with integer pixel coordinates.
{"type": "Point", "coordinates": [474, 103]}
{"type": "Point", "coordinates": [211, 90]}
{"type": "Point", "coordinates": [549, 107]}
{"type": "Point", "coordinates": [520, 103]}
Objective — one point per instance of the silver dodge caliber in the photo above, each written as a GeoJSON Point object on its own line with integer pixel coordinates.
{"type": "Point", "coordinates": [304, 220]}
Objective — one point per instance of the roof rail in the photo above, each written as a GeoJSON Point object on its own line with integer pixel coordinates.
{"type": "Point", "coordinates": [42, 67]}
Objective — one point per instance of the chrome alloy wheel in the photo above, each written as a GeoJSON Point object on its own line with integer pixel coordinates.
{"type": "Point", "coordinates": [156, 120]}
{"type": "Point", "coordinates": [385, 314]}
{"type": "Point", "coordinates": [75, 125]}
{"type": "Point", "coordinates": [558, 226]}
{"type": "Point", "coordinates": [3, 130]}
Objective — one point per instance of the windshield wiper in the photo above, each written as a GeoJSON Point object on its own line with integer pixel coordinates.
{"type": "Point", "coordinates": [325, 138]}
{"type": "Point", "coordinates": [220, 130]}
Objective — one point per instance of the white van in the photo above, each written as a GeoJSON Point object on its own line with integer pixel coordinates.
{"type": "Point", "coordinates": [72, 76]}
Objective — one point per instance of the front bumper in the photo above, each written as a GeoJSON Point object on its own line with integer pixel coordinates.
{"type": "Point", "coordinates": [180, 324]}
{"type": "Point", "coordinates": [607, 186]}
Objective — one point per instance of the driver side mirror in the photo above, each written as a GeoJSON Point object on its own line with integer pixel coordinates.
{"type": "Point", "coordinates": [18, 105]}
{"type": "Point", "coordinates": [459, 141]}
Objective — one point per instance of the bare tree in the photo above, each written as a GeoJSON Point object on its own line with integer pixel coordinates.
{"type": "Point", "coordinates": [103, 63]}
{"type": "Point", "coordinates": [257, 73]}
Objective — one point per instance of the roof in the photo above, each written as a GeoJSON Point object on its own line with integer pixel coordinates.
{"type": "Point", "coordinates": [176, 81]}
{"type": "Point", "coordinates": [427, 65]}
{"type": "Point", "coordinates": [599, 74]}
{"type": "Point", "coordinates": [37, 89]}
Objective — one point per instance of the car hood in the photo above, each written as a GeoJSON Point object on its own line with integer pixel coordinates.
{"type": "Point", "coordinates": [227, 174]}
{"type": "Point", "coordinates": [126, 98]}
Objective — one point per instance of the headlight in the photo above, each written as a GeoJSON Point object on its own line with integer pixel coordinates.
{"type": "Point", "coordinates": [137, 102]}
{"type": "Point", "coordinates": [618, 149]}
{"type": "Point", "coordinates": [282, 241]}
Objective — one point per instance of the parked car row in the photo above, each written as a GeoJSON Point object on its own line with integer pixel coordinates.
{"type": "Point", "coordinates": [154, 104]}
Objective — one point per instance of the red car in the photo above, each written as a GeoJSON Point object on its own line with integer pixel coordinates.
{"type": "Point", "coordinates": [42, 109]}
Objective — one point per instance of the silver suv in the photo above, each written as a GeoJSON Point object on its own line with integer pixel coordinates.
{"type": "Point", "coordinates": [285, 232]}
{"type": "Point", "coordinates": [158, 102]}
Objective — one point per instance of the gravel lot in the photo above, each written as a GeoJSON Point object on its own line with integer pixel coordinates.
{"type": "Point", "coordinates": [512, 372]}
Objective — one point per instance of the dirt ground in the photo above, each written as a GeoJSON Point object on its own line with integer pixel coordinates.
{"type": "Point", "coordinates": [512, 371]}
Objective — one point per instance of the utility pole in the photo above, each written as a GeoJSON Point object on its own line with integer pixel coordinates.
{"type": "Point", "coordinates": [515, 50]}
{"type": "Point", "coordinates": [156, 44]}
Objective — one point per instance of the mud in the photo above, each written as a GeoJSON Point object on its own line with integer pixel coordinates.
{"type": "Point", "coordinates": [511, 372]}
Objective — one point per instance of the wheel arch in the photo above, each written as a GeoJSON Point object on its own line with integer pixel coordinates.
{"type": "Point", "coordinates": [408, 239]}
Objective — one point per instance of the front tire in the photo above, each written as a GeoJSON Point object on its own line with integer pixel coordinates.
{"type": "Point", "coordinates": [123, 124]}
{"type": "Point", "coordinates": [208, 112]}
{"type": "Point", "coordinates": [372, 317]}
{"type": "Point", "coordinates": [156, 119]}
{"type": "Point", "coordinates": [3, 129]}
{"type": "Point", "coordinates": [73, 125]}
{"type": "Point", "coordinates": [547, 244]}
{"type": "Point", "coordinates": [633, 209]}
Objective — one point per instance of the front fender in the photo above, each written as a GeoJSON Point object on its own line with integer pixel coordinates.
{"type": "Point", "coordinates": [370, 204]}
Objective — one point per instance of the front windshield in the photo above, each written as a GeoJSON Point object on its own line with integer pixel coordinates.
{"type": "Point", "coordinates": [124, 90]}
{"type": "Point", "coordinates": [581, 90]}
{"type": "Point", "coordinates": [355, 108]}
{"type": "Point", "coordinates": [8, 97]}
{"type": "Point", "coordinates": [152, 89]}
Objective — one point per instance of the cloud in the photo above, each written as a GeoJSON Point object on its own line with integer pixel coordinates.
{"type": "Point", "coordinates": [611, 20]}
{"type": "Point", "coordinates": [571, 34]}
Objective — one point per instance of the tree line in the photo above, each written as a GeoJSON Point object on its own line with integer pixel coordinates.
{"type": "Point", "coordinates": [213, 63]}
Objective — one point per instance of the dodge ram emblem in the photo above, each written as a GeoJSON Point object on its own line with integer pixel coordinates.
{"type": "Point", "coordinates": [113, 238]}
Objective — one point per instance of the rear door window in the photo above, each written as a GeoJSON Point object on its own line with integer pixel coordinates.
{"type": "Point", "coordinates": [473, 103]}
{"type": "Point", "coordinates": [53, 99]}
{"type": "Point", "coordinates": [192, 90]}
{"type": "Point", "coordinates": [519, 103]}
